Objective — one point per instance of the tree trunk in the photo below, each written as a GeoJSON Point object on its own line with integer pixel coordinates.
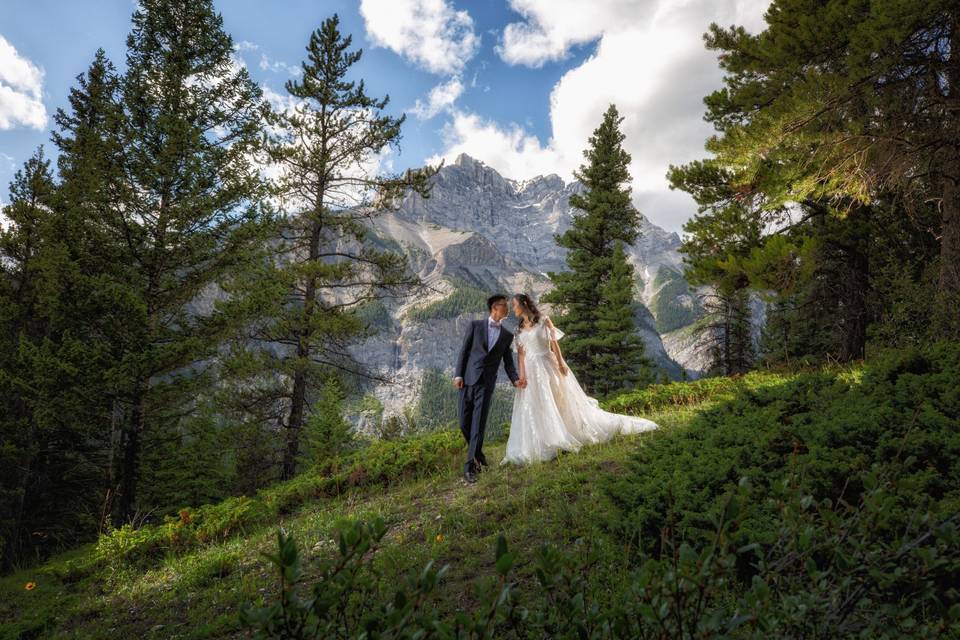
{"type": "Point", "coordinates": [14, 544]}
{"type": "Point", "coordinates": [299, 398]}
{"type": "Point", "coordinates": [131, 452]}
{"type": "Point", "coordinates": [294, 425]}
{"type": "Point", "coordinates": [949, 284]}
{"type": "Point", "coordinates": [854, 311]}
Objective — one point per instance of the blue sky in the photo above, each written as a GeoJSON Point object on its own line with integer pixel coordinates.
{"type": "Point", "coordinates": [519, 84]}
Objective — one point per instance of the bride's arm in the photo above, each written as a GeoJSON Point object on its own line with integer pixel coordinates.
{"type": "Point", "coordinates": [555, 347]}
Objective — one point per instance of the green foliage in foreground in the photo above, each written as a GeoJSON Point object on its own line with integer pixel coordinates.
{"type": "Point", "coordinates": [382, 463]}
{"type": "Point", "coordinates": [828, 427]}
{"type": "Point", "coordinates": [884, 549]}
{"type": "Point", "coordinates": [831, 572]}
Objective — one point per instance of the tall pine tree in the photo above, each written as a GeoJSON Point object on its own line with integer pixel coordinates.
{"type": "Point", "coordinates": [22, 243]}
{"type": "Point", "coordinates": [323, 269]}
{"type": "Point", "coordinates": [726, 229]}
{"type": "Point", "coordinates": [584, 295]}
{"type": "Point", "coordinates": [94, 294]}
{"type": "Point", "coordinates": [192, 122]}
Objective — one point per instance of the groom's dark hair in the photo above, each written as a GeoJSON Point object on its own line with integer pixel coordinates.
{"type": "Point", "coordinates": [492, 300]}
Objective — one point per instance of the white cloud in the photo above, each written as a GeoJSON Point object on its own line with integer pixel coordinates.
{"type": "Point", "coordinates": [246, 45]}
{"type": "Point", "coordinates": [266, 62]}
{"type": "Point", "coordinates": [440, 98]}
{"type": "Point", "coordinates": [649, 61]}
{"type": "Point", "coordinates": [429, 33]}
{"type": "Point", "coordinates": [278, 66]}
{"type": "Point", "coordinates": [510, 150]}
{"type": "Point", "coordinates": [551, 27]}
{"type": "Point", "coordinates": [21, 90]}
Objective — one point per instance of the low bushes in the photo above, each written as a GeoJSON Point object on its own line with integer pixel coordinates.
{"type": "Point", "coordinates": [681, 394]}
{"type": "Point", "coordinates": [828, 426]}
{"type": "Point", "coordinates": [382, 463]}
{"type": "Point", "coordinates": [830, 572]}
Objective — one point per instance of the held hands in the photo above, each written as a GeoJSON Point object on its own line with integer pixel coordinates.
{"type": "Point", "coordinates": [458, 383]}
{"type": "Point", "coordinates": [520, 384]}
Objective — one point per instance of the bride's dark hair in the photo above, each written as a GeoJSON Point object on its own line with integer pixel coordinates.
{"type": "Point", "coordinates": [528, 307]}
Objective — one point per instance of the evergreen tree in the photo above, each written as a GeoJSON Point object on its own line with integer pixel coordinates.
{"type": "Point", "coordinates": [621, 349]}
{"type": "Point", "coordinates": [93, 296]}
{"type": "Point", "coordinates": [192, 122]}
{"type": "Point", "coordinates": [21, 332]}
{"type": "Point", "coordinates": [307, 295]}
{"type": "Point", "coordinates": [52, 373]}
{"type": "Point", "coordinates": [607, 219]}
{"type": "Point", "coordinates": [326, 432]}
{"type": "Point", "coordinates": [720, 238]}
{"type": "Point", "coordinates": [864, 104]}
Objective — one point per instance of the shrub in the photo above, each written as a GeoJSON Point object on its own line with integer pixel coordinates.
{"type": "Point", "coordinates": [379, 464]}
{"type": "Point", "coordinates": [830, 572]}
{"type": "Point", "coordinates": [827, 425]}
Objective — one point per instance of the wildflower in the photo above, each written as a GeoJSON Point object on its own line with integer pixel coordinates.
{"type": "Point", "coordinates": [30, 586]}
{"type": "Point", "coordinates": [439, 537]}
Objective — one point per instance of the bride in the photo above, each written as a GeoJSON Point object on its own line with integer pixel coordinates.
{"type": "Point", "coordinates": [550, 410]}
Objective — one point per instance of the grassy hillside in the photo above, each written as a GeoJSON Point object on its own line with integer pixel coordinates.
{"type": "Point", "coordinates": [187, 577]}
{"type": "Point", "coordinates": [195, 593]}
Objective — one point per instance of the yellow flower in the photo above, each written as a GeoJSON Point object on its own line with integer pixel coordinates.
{"type": "Point", "coordinates": [439, 537]}
{"type": "Point", "coordinates": [30, 586]}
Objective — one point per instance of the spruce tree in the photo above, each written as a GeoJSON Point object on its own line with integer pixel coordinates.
{"type": "Point", "coordinates": [52, 373]}
{"type": "Point", "coordinates": [720, 239]}
{"type": "Point", "coordinates": [865, 103]}
{"type": "Point", "coordinates": [94, 275]}
{"type": "Point", "coordinates": [21, 331]}
{"type": "Point", "coordinates": [620, 348]}
{"type": "Point", "coordinates": [323, 268]}
{"type": "Point", "coordinates": [191, 125]}
{"type": "Point", "coordinates": [607, 219]}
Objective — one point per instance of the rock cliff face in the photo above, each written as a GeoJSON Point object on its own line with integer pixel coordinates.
{"type": "Point", "coordinates": [483, 232]}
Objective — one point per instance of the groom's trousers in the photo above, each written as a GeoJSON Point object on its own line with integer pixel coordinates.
{"type": "Point", "coordinates": [474, 407]}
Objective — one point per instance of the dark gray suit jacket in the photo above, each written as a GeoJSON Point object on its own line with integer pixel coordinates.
{"type": "Point", "coordinates": [478, 364]}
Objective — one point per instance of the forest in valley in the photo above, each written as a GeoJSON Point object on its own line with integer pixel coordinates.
{"type": "Point", "coordinates": [182, 280]}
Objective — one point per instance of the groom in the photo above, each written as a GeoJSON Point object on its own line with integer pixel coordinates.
{"type": "Point", "coordinates": [484, 346]}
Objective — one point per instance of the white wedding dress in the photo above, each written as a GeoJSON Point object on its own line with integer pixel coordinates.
{"type": "Point", "coordinates": [553, 412]}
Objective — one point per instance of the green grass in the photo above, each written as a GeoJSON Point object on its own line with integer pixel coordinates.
{"type": "Point", "coordinates": [194, 586]}
{"type": "Point", "coordinates": [196, 592]}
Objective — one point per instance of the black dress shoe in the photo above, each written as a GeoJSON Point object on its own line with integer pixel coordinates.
{"type": "Point", "coordinates": [470, 476]}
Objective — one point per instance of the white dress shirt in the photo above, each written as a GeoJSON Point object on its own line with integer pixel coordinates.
{"type": "Point", "coordinates": [493, 332]}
